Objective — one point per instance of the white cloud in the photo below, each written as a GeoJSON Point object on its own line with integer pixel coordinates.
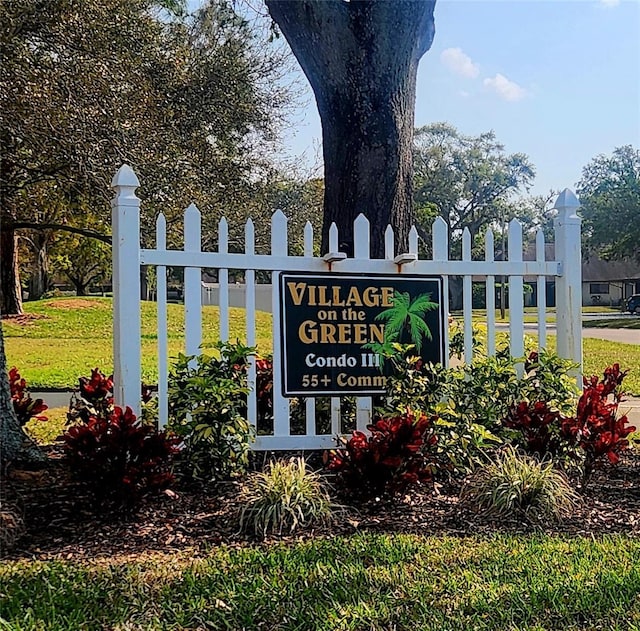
{"type": "Point", "coordinates": [459, 63]}
{"type": "Point", "coordinates": [609, 4]}
{"type": "Point", "coordinates": [505, 89]}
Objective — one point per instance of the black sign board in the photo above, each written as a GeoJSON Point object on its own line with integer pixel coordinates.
{"type": "Point", "coordinates": [334, 327]}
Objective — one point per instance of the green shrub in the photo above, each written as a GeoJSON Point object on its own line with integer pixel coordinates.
{"type": "Point", "coordinates": [283, 497]}
{"type": "Point", "coordinates": [207, 410]}
{"type": "Point", "coordinates": [518, 484]}
{"type": "Point", "coordinates": [486, 390]}
{"type": "Point", "coordinates": [435, 391]}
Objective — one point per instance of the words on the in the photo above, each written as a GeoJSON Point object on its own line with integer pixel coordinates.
{"type": "Point", "coordinates": [335, 328]}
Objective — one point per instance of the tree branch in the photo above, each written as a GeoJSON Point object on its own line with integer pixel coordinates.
{"type": "Point", "coordinates": [25, 225]}
{"type": "Point", "coordinates": [305, 24]}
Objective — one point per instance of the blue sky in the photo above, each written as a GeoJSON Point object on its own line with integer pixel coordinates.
{"type": "Point", "coordinates": [557, 80]}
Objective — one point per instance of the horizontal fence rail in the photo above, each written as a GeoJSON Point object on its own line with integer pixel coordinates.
{"type": "Point", "coordinates": [314, 423]}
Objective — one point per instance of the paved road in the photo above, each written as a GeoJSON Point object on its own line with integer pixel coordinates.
{"type": "Point", "coordinates": [626, 336]}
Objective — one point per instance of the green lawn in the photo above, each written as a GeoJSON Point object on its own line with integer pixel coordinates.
{"type": "Point", "coordinates": [71, 336]}
{"type": "Point", "coordinates": [366, 581]}
{"type": "Point", "coordinates": [531, 314]}
{"type": "Point", "coordinates": [613, 323]}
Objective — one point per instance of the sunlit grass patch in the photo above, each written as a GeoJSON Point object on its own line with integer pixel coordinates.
{"type": "Point", "coordinates": [366, 581]}
{"type": "Point", "coordinates": [73, 335]}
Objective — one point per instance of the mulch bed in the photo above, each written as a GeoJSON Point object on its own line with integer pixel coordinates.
{"type": "Point", "coordinates": [60, 521]}
{"type": "Point", "coordinates": [24, 319]}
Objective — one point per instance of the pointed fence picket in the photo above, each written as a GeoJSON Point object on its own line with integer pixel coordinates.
{"type": "Point", "coordinates": [127, 256]}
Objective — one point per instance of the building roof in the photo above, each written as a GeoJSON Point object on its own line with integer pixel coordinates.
{"type": "Point", "coordinates": [595, 269]}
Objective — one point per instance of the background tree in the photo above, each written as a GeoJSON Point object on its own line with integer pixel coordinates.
{"type": "Point", "coordinates": [469, 181]}
{"type": "Point", "coordinates": [189, 102]}
{"type": "Point", "coordinates": [609, 193]}
{"type": "Point", "coordinates": [361, 59]}
{"type": "Point", "coordinates": [83, 261]}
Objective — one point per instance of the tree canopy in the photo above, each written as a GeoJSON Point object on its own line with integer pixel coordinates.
{"type": "Point", "coordinates": [469, 181]}
{"type": "Point", "coordinates": [188, 101]}
{"type": "Point", "coordinates": [609, 193]}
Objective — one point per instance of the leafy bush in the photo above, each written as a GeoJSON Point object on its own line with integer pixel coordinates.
{"type": "Point", "coordinates": [396, 454]}
{"type": "Point", "coordinates": [489, 388]}
{"type": "Point", "coordinates": [207, 409]}
{"type": "Point", "coordinates": [594, 431]}
{"type": "Point", "coordinates": [431, 389]}
{"type": "Point", "coordinates": [93, 398]}
{"type": "Point", "coordinates": [120, 458]}
{"type": "Point", "coordinates": [283, 497]}
{"type": "Point", "coordinates": [518, 484]}
{"type": "Point", "coordinates": [411, 383]}
{"type": "Point", "coordinates": [596, 428]}
{"type": "Point", "coordinates": [25, 407]}
{"type": "Point", "coordinates": [456, 338]}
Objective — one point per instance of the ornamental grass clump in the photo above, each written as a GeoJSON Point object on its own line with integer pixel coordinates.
{"type": "Point", "coordinates": [516, 484]}
{"type": "Point", "coordinates": [283, 497]}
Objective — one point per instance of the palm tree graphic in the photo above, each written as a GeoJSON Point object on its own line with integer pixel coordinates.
{"type": "Point", "coordinates": [407, 315]}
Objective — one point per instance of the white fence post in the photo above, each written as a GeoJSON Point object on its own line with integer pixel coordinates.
{"type": "Point", "coordinates": [569, 284]}
{"type": "Point", "coordinates": [126, 289]}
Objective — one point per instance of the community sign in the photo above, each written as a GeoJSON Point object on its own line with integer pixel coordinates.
{"type": "Point", "coordinates": [336, 328]}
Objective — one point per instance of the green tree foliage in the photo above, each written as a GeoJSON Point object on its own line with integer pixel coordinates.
{"type": "Point", "coordinates": [83, 261]}
{"type": "Point", "coordinates": [466, 180]}
{"type": "Point", "coordinates": [300, 199]}
{"type": "Point", "coordinates": [609, 192]}
{"type": "Point", "coordinates": [188, 101]}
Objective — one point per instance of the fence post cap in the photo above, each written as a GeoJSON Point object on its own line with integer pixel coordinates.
{"type": "Point", "coordinates": [567, 201]}
{"type": "Point", "coordinates": [125, 177]}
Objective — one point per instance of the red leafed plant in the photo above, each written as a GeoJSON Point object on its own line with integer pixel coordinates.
{"type": "Point", "coordinates": [119, 457]}
{"type": "Point", "coordinates": [539, 424]}
{"type": "Point", "coordinates": [394, 455]}
{"type": "Point", "coordinates": [25, 407]}
{"type": "Point", "coordinates": [264, 388]}
{"type": "Point", "coordinates": [95, 398]}
{"type": "Point", "coordinates": [596, 428]}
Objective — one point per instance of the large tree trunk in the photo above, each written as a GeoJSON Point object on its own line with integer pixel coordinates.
{"type": "Point", "coordinates": [361, 59]}
{"type": "Point", "coordinates": [10, 290]}
{"type": "Point", "coordinates": [79, 285]}
{"type": "Point", "coordinates": [15, 445]}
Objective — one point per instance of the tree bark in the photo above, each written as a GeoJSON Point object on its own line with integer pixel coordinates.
{"type": "Point", "coordinates": [10, 289]}
{"type": "Point", "coordinates": [15, 445]}
{"type": "Point", "coordinates": [361, 59]}
{"type": "Point", "coordinates": [39, 280]}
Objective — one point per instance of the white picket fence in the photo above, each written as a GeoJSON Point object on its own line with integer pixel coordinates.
{"type": "Point", "coordinates": [128, 256]}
